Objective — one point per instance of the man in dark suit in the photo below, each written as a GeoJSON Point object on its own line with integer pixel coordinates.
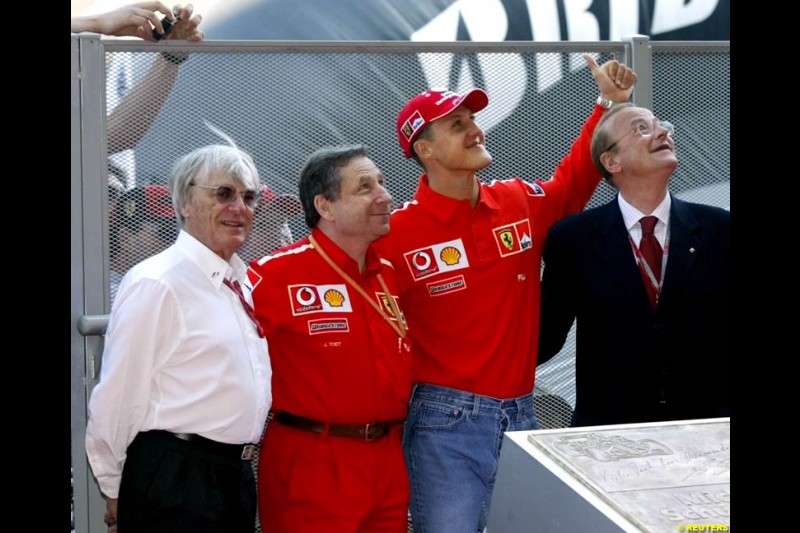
{"type": "Point", "coordinates": [648, 347]}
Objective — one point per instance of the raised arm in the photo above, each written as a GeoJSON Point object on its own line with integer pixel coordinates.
{"type": "Point", "coordinates": [134, 115]}
{"type": "Point", "coordinates": [134, 20]}
{"type": "Point", "coordinates": [576, 178]}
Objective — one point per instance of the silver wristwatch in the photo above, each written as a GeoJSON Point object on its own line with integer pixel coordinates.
{"type": "Point", "coordinates": [604, 103]}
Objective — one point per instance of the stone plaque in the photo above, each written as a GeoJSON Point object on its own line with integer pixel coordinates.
{"type": "Point", "coordinates": [670, 477]}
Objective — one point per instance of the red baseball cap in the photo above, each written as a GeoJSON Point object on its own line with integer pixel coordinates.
{"type": "Point", "coordinates": [151, 202]}
{"type": "Point", "coordinates": [289, 204]}
{"type": "Point", "coordinates": [148, 203]}
{"type": "Point", "coordinates": [431, 105]}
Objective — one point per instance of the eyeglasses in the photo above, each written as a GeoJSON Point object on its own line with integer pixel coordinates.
{"type": "Point", "coordinates": [226, 194]}
{"type": "Point", "coordinates": [646, 129]}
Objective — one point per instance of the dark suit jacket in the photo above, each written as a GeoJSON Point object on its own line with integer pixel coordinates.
{"type": "Point", "coordinates": [629, 354]}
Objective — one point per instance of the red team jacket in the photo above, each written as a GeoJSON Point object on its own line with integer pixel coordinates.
{"type": "Point", "coordinates": [334, 358]}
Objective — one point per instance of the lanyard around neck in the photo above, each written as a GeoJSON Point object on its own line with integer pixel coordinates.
{"type": "Point", "coordinates": [656, 283]}
{"type": "Point", "coordinates": [398, 324]}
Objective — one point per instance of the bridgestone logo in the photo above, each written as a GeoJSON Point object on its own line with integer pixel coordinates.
{"type": "Point", "coordinates": [446, 287]}
{"type": "Point", "coordinates": [319, 327]}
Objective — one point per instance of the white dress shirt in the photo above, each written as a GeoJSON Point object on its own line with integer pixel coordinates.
{"type": "Point", "coordinates": [631, 216]}
{"type": "Point", "coordinates": [181, 354]}
{"type": "Point", "coordinates": [114, 279]}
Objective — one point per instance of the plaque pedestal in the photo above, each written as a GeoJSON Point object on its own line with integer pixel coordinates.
{"type": "Point", "coordinates": [667, 477]}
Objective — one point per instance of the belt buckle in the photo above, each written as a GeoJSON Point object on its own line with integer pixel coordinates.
{"type": "Point", "coordinates": [367, 435]}
{"type": "Point", "coordinates": [248, 452]}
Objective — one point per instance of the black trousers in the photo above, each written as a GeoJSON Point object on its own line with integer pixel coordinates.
{"type": "Point", "coordinates": [172, 486]}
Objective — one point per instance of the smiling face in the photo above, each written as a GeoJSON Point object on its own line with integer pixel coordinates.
{"type": "Point", "coordinates": [222, 228]}
{"type": "Point", "coordinates": [642, 146]}
{"type": "Point", "coordinates": [361, 212]}
{"type": "Point", "coordinates": [455, 142]}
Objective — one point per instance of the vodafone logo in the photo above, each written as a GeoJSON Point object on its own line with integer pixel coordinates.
{"type": "Point", "coordinates": [436, 259]}
{"type": "Point", "coordinates": [421, 260]}
{"type": "Point", "coordinates": [307, 298]}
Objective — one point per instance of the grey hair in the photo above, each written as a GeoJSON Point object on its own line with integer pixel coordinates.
{"type": "Point", "coordinates": [601, 139]}
{"type": "Point", "coordinates": [201, 164]}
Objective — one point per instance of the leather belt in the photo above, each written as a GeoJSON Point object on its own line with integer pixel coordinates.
{"type": "Point", "coordinates": [369, 432]}
{"type": "Point", "coordinates": [245, 452]}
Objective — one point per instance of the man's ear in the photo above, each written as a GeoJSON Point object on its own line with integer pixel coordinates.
{"type": "Point", "coordinates": [422, 147]}
{"type": "Point", "coordinates": [610, 162]}
{"type": "Point", "coordinates": [323, 207]}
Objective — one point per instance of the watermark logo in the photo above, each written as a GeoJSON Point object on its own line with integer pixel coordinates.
{"type": "Point", "coordinates": [703, 527]}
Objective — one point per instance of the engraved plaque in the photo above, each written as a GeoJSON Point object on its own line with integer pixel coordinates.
{"type": "Point", "coordinates": [669, 477]}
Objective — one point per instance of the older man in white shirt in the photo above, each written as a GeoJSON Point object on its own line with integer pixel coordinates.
{"type": "Point", "coordinates": [185, 386]}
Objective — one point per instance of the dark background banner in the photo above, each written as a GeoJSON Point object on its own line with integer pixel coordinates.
{"type": "Point", "coordinates": [474, 20]}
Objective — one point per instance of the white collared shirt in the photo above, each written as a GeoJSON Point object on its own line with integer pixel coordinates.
{"type": "Point", "coordinates": [631, 216]}
{"type": "Point", "coordinates": [181, 354]}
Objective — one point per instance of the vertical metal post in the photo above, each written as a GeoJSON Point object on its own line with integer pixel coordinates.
{"type": "Point", "coordinates": [641, 62]}
{"type": "Point", "coordinates": [88, 196]}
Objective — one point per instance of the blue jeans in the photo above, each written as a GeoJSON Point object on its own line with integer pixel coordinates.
{"type": "Point", "coordinates": [452, 445]}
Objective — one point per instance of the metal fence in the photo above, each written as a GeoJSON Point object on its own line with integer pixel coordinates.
{"type": "Point", "coordinates": [134, 113]}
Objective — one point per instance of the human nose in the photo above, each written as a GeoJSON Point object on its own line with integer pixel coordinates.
{"type": "Point", "coordinates": [662, 126]}
{"type": "Point", "coordinates": [474, 128]}
{"type": "Point", "coordinates": [383, 196]}
{"type": "Point", "coordinates": [237, 204]}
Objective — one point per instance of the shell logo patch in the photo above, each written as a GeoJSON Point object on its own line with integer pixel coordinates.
{"type": "Point", "coordinates": [437, 258]}
{"type": "Point", "coordinates": [513, 238]}
{"type": "Point", "coordinates": [306, 299]}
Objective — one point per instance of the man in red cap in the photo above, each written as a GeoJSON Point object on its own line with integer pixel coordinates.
{"type": "Point", "coordinates": [271, 229]}
{"type": "Point", "coordinates": [468, 256]}
{"type": "Point", "coordinates": [142, 224]}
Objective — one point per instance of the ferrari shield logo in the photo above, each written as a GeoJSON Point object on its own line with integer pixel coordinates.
{"type": "Point", "coordinates": [507, 238]}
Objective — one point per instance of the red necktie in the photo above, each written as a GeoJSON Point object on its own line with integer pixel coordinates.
{"type": "Point", "coordinates": [237, 288]}
{"type": "Point", "coordinates": [653, 254]}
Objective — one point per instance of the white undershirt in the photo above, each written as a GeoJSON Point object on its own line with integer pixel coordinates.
{"type": "Point", "coordinates": [631, 216]}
